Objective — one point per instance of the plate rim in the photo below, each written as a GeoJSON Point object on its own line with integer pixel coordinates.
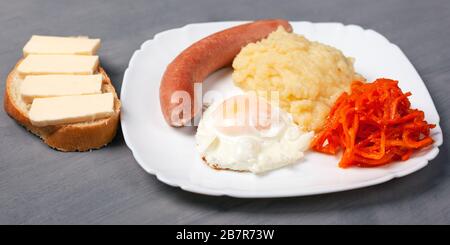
{"type": "Point", "coordinates": [423, 160]}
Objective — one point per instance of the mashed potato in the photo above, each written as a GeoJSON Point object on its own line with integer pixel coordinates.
{"type": "Point", "coordinates": [309, 76]}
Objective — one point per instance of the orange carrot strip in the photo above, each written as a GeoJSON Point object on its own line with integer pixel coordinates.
{"type": "Point", "coordinates": [374, 125]}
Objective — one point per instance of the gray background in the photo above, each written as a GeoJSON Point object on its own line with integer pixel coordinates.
{"type": "Point", "coordinates": [41, 186]}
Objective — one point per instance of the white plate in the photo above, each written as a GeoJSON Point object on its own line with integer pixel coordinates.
{"type": "Point", "coordinates": [170, 153]}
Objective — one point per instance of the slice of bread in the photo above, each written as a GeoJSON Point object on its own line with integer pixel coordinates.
{"type": "Point", "coordinates": [82, 136]}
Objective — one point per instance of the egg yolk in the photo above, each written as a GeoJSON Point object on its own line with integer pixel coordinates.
{"type": "Point", "coordinates": [243, 115]}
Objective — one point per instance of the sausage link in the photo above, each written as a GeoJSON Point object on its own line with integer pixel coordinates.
{"type": "Point", "coordinates": [204, 57]}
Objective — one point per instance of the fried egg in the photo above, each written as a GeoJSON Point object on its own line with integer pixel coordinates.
{"type": "Point", "coordinates": [247, 133]}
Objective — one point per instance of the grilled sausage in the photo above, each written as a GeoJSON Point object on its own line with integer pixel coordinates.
{"type": "Point", "coordinates": [204, 57]}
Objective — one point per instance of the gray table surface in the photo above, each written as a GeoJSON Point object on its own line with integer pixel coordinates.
{"type": "Point", "coordinates": [42, 186]}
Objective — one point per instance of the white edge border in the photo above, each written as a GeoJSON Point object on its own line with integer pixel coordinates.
{"type": "Point", "coordinates": [239, 194]}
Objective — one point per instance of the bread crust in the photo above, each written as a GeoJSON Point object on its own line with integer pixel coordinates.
{"type": "Point", "coordinates": [67, 137]}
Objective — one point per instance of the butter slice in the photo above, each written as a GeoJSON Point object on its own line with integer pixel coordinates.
{"type": "Point", "coordinates": [58, 64]}
{"type": "Point", "coordinates": [71, 109]}
{"type": "Point", "coordinates": [61, 45]}
{"type": "Point", "coordinates": [43, 86]}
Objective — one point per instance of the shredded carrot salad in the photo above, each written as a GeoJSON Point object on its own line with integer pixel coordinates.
{"type": "Point", "coordinates": [374, 125]}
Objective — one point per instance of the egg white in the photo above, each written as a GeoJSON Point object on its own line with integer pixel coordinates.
{"type": "Point", "coordinates": [255, 151]}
